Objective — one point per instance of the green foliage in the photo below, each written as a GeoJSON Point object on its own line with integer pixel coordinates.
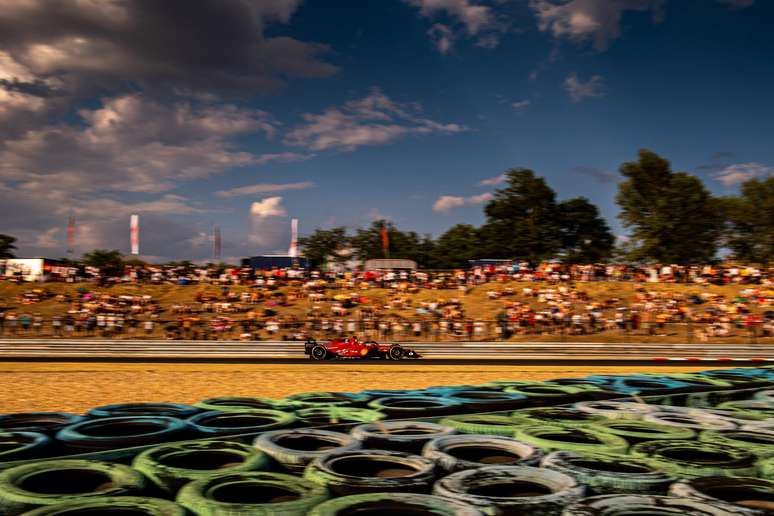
{"type": "Point", "coordinates": [110, 262]}
{"type": "Point", "coordinates": [672, 216]}
{"type": "Point", "coordinates": [459, 244]}
{"type": "Point", "coordinates": [749, 230]}
{"type": "Point", "coordinates": [7, 246]}
{"type": "Point", "coordinates": [325, 243]}
{"type": "Point", "coordinates": [367, 244]}
{"type": "Point", "coordinates": [584, 236]}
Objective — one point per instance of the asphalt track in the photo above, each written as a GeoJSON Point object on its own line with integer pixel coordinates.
{"type": "Point", "coordinates": [490, 353]}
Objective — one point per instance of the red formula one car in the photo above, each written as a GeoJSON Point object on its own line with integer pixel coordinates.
{"type": "Point", "coordinates": [355, 348]}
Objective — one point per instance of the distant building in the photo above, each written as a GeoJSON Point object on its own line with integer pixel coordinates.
{"type": "Point", "coordinates": [389, 264]}
{"type": "Point", "coordinates": [275, 261]}
{"type": "Point", "coordinates": [32, 269]}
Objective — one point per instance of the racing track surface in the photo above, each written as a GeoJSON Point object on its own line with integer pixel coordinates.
{"type": "Point", "coordinates": [105, 350]}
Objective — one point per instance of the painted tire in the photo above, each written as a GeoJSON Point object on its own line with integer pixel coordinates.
{"type": "Point", "coordinates": [487, 424]}
{"type": "Point", "coordinates": [133, 505]}
{"type": "Point", "coordinates": [615, 505]}
{"type": "Point", "coordinates": [488, 400]}
{"type": "Point", "coordinates": [48, 423]}
{"type": "Point", "coordinates": [695, 421]}
{"type": "Point", "coordinates": [555, 416]}
{"type": "Point", "coordinates": [415, 406]}
{"type": "Point", "coordinates": [690, 459]}
{"type": "Point", "coordinates": [372, 471]}
{"type": "Point", "coordinates": [766, 396]}
{"type": "Point", "coordinates": [562, 438]}
{"type": "Point", "coordinates": [635, 431]}
{"type": "Point", "coordinates": [334, 415]}
{"type": "Point", "coordinates": [238, 404]}
{"type": "Point", "coordinates": [388, 393]}
{"type": "Point", "coordinates": [547, 390]}
{"type": "Point", "coordinates": [748, 494]}
{"type": "Point", "coordinates": [404, 436]}
{"type": "Point", "coordinates": [145, 409]}
{"type": "Point", "coordinates": [317, 399]}
{"type": "Point", "coordinates": [256, 492]}
{"type": "Point", "coordinates": [395, 503]}
{"type": "Point", "coordinates": [109, 433]}
{"type": "Point", "coordinates": [756, 407]}
{"type": "Point", "coordinates": [614, 409]}
{"type": "Point", "coordinates": [609, 474]}
{"type": "Point", "coordinates": [28, 486]}
{"type": "Point", "coordinates": [766, 468]}
{"type": "Point", "coordinates": [760, 443]}
{"type": "Point", "coordinates": [511, 489]}
{"type": "Point", "coordinates": [641, 384]}
{"type": "Point", "coordinates": [699, 380]}
{"type": "Point", "coordinates": [460, 452]}
{"type": "Point", "coordinates": [171, 466]}
{"type": "Point", "coordinates": [230, 423]}
{"type": "Point", "coordinates": [22, 445]}
{"type": "Point", "coordinates": [294, 449]}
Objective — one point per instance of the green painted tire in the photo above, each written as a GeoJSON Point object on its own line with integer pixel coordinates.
{"type": "Point", "coordinates": [251, 493]}
{"type": "Point", "coordinates": [487, 424]}
{"type": "Point", "coordinates": [404, 407]}
{"type": "Point", "coordinates": [766, 468]}
{"type": "Point", "coordinates": [633, 504]}
{"type": "Point", "coordinates": [28, 486]}
{"type": "Point", "coordinates": [372, 471]}
{"type": "Point", "coordinates": [304, 400]}
{"type": "Point", "coordinates": [171, 466]}
{"type": "Point", "coordinates": [749, 495]}
{"type": "Point", "coordinates": [133, 505]}
{"type": "Point", "coordinates": [577, 439]}
{"type": "Point", "coordinates": [511, 489]}
{"type": "Point", "coordinates": [636, 431]}
{"type": "Point", "coordinates": [294, 449]}
{"type": "Point", "coordinates": [760, 408]}
{"type": "Point", "coordinates": [22, 445]}
{"type": "Point", "coordinates": [695, 421]}
{"type": "Point", "coordinates": [216, 423]}
{"type": "Point", "coordinates": [334, 415]}
{"type": "Point", "coordinates": [547, 390]}
{"type": "Point", "coordinates": [395, 503]}
{"type": "Point", "coordinates": [692, 459]}
{"type": "Point", "coordinates": [555, 416]}
{"type": "Point", "coordinates": [609, 474]}
{"type": "Point", "coordinates": [403, 436]}
{"type": "Point", "coordinates": [238, 404]}
{"type": "Point", "coordinates": [459, 452]}
{"type": "Point", "coordinates": [760, 443]}
{"type": "Point", "coordinates": [614, 409]}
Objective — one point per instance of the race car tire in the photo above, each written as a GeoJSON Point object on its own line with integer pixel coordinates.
{"type": "Point", "coordinates": [171, 466]}
{"type": "Point", "coordinates": [487, 424]}
{"type": "Point", "coordinates": [303, 400]}
{"type": "Point", "coordinates": [36, 484]}
{"type": "Point", "coordinates": [695, 420]}
{"type": "Point", "coordinates": [652, 505]}
{"type": "Point", "coordinates": [395, 352]}
{"type": "Point", "coordinates": [511, 489]}
{"type": "Point", "coordinates": [294, 449]}
{"type": "Point", "coordinates": [216, 423]}
{"type": "Point", "coordinates": [415, 406]}
{"type": "Point", "coordinates": [254, 492]}
{"type": "Point", "coordinates": [609, 474]}
{"type": "Point", "coordinates": [760, 443]}
{"type": "Point", "coordinates": [577, 439]}
{"type": "Point", "coordinates": [109, 433]}
{"type": "Point", "coordinates": [48, 423]}
{"type": "Point", "coordinates": [332, 415]}
{"type": "Point", "coordinates": [318, 353]}
{"type": "Point", "coordinates": [372, 471]}
{"type": "Point", "coordinates": [614, 409]}
{"type": "Point", "coordinates": [144, 409]}
{"type": "Point", "coordinates": [129, 505]}
{"type": "Point", "coordinates": [691, 459]}
{"type": "Point", "coordinates": [238, 404]}
{"type": "Point", "coordinates": [459, 452]}
{"type": "Point", "coordinates": [22, 445]}
{"type": "Point", "coordinates": [394, 503]}
{"type": "Point", "coordinates": [404, 436]}
{"type": "Point", "coordinates": [751, 496]}
{"type": "Point", "coordinates": [635, 431]}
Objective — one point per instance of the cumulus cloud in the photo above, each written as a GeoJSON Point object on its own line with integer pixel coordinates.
{"type": "Point", "coordinates": [475, 19]}
{"type": "Point", "coordinates": [372, 120]}
{"type": "Point", "coordinates": [733, 175]}
{"type": "Point", "coordinates": [263, 188]}
{"type": "Point", "coordinates": [446, 203]}
{"type": "Point", "coordinates": [579, 90]}
{"type": "Point", "coordinates": [493, 181]}
{"type": "Point", "coordinates": [580, 20]}
{"type": "Point", "coordinates": [269, 224]}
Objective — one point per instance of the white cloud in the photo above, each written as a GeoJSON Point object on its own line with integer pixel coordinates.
{"type": "Point", "coordinates": [578, 20]}
{"type": "Point", "coordinates": [477, 21]}
{"type": "Point", "coordinates": [442, 37]}
{"type": "Point", "coordinates": [492, 181]}
{"type": "Point", "coordinates": [579, 90]}
{"type": "Point", "coordinates": [520, 105]}
{"type": "Point", "coordinates": [269, 227]}
{"type": "Point", "coordinates": [733, 175]}
{"type": "Point", "coordinates": [446, 203]}
{"type": "Point", "coordinates": [269, 207]}
{"type": "Point", "coordinates": [264, 188]}
{"type": "Point", "coordinates": [372, 120]}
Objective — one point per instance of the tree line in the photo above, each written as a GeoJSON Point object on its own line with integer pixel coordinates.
{"type": "Point", "coordinates": [671, 217]}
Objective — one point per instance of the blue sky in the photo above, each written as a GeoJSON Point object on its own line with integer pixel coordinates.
{"type": "Point", "coordinates": [247, 113]}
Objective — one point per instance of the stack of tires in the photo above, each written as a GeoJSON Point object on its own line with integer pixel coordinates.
{"type": "Point", "coordinates": [498, 449]}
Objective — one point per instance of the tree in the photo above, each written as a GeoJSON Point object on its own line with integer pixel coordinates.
{"type": "Point", "coordinates": [749, 230]}
{"type": "Point", "coordinates": [521, 219]}
{"type": "Point", "coordinates": [367, 243]}
{"type": "Point", "coordinates": [324, 243]}
{"type": "Point", "coordinates": [111, 263]}
{"type": "Point", "coordinates": [672, 216]}
{"type": "Point", "coordinates": [459, 244]}
{"type": "Point", "coordinates": [7, 246]}
{"type": "Point", "coordinates": [584, 236]}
